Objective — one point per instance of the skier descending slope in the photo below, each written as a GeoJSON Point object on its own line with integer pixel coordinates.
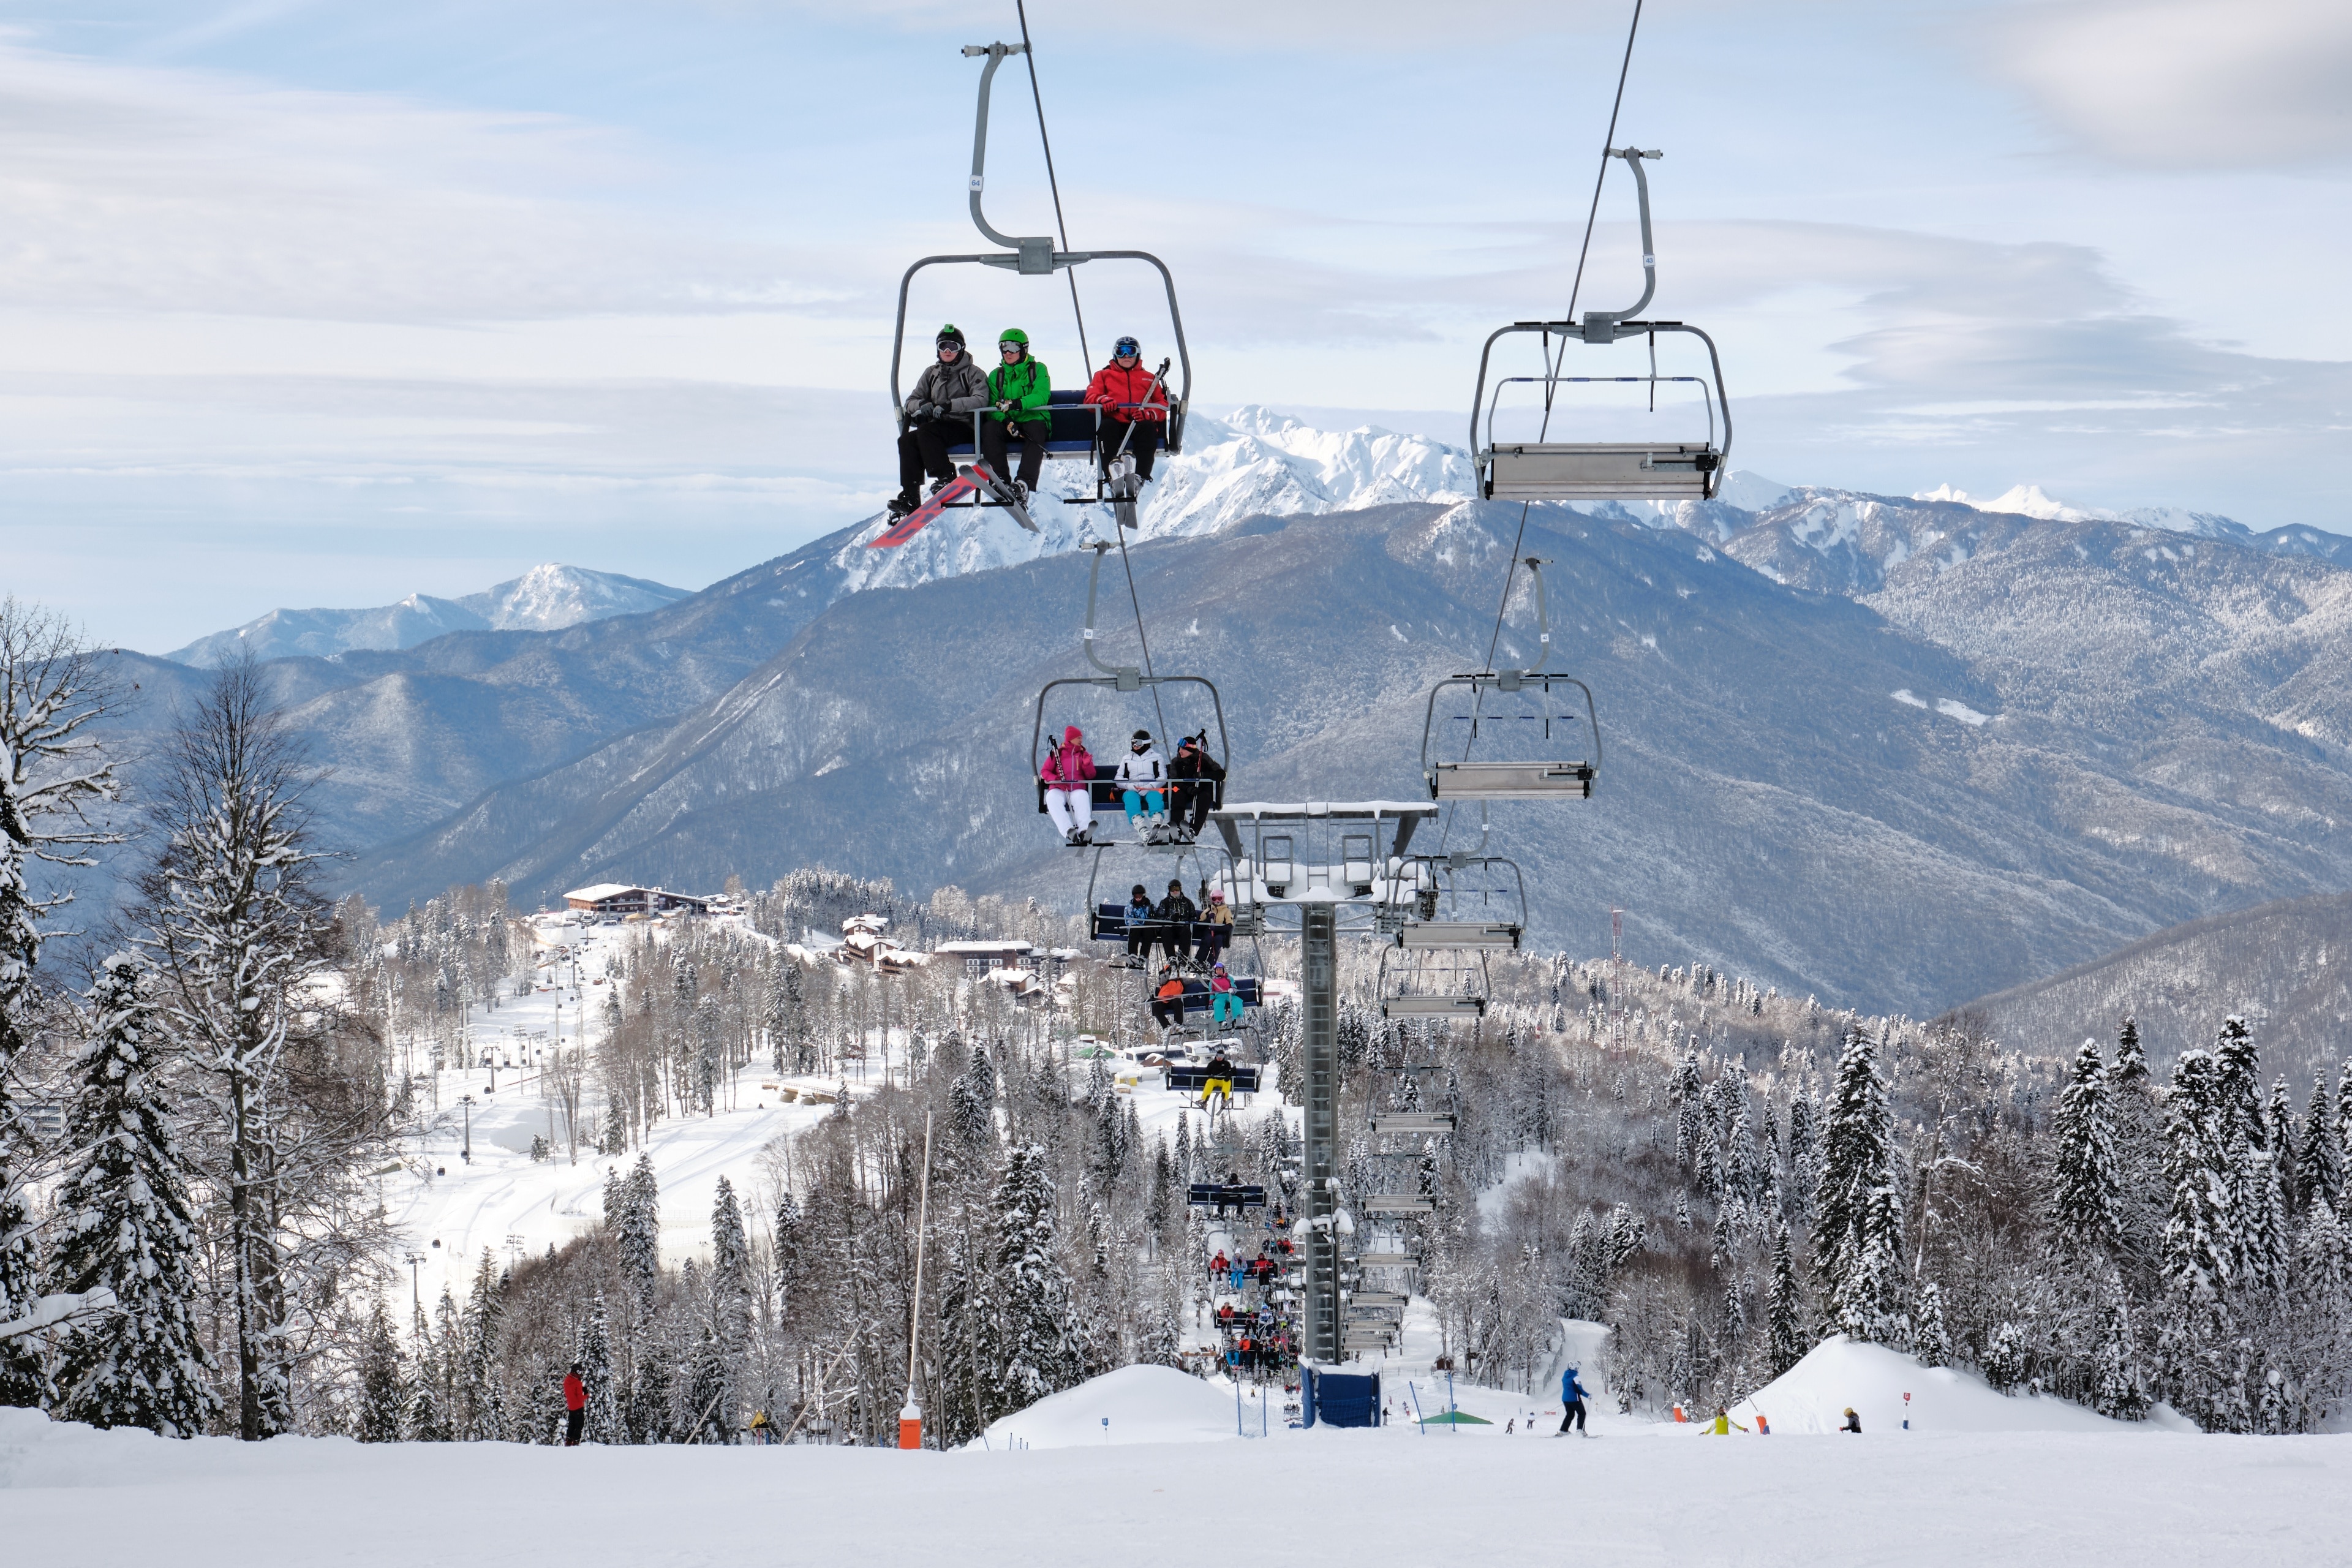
{"type": "Point", "coordinates": [1572, 1395]}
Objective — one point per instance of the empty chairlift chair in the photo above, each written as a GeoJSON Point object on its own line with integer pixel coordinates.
{"type": "Point", "coordinates": [1510, 734]}
{"type": "Point", "coordinates": [1687, 468]}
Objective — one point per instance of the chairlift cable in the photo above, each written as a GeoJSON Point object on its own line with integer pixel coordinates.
{"type": "Point", "coordinates": [1133, 599]}
{"type": "Point", "coordinates": [1576, 289]}
{"type": "Point", "coordinates": [1029, 53]}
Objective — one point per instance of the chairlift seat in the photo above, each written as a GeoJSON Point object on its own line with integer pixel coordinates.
{"type": "Point", "coordinates": [1432, 1007]}
{"type": "Point", "coordinates": [1192, 1080]}
{"type": "Point", "coordinates": [1108, 792]}
{"type": "Point", "coordinates": [1487, 935]}
{"type": "Point", "coordinates": [1071, 431]}
{"type": "Point", "coordinates": [1600, 470]}
{"type": "Point", "coordinates": [1226, 1195]}
{"type": "Point", "coordinates": [1398, 1203]}
{"type": "Point", "coordinates": [1413, 1122]}
{"type": "Point", "coordinates": [1387, 1260]}
{"type": "Point", "coordinates": [1509, 781]}
{"type": "Point", "coordinates": [1376, 1298]}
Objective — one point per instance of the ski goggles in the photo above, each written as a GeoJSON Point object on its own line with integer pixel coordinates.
{"type": "Point", "coordinates": [1125, 348]}
{"type": "Point", "coordinates": [1010, 348]}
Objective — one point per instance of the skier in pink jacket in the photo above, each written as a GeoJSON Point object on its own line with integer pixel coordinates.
{"type": "Point", "coordinates": [1069, 776]}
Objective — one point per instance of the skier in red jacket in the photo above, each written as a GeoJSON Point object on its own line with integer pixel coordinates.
{"type": "Point", "coordinates": [575, 1407]}
{"type": "Point", "coordinates": [1129, 403]}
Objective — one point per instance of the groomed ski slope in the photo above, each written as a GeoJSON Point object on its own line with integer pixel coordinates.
{"type": "Point", "coordinates": [1921, 1500]}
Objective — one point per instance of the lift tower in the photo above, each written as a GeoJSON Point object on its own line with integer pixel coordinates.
{"type": "Point", "coordinates": [1336, 868]}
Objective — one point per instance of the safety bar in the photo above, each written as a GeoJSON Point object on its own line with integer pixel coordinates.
{"type": "Point", "coordinates": [1509, 680]}
{"type": "Point", "coordinates": [1482, 451]}
{"type": "Point", "coordinates": [1495, 404]}
{"type": "Point", "coordinates": [1178, 406]}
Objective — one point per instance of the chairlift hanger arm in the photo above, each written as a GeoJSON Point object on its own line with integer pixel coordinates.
{"type": "Point", "coordinates": [1600, 326]}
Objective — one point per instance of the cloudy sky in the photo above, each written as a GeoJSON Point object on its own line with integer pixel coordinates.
{"type": "Point", "coordinates": [323, 302]}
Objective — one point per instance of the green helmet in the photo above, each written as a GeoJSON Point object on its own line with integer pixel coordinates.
{"type": "Point", "coordinates": [1012, 335]}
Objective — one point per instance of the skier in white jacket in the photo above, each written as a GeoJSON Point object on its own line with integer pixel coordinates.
{"type": "Point", "coordinates": [1143, 783]}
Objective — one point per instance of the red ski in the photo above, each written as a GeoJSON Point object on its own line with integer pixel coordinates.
{"type": "Point", "coordinates": [915, 522]}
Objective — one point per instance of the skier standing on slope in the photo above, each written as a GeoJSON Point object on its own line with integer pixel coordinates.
{"type": "Point", "coordinates": [1722, 1424]}
{"type": "Point", "coordinates": [1572, 1395]}
{"type": "Point", "coordinates": [575, 1407]}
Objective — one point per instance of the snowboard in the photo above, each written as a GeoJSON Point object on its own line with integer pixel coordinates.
{"type": "Point", "coordinates": [923, 516]}
{"type": "Point", "coordinates": [968, 482]}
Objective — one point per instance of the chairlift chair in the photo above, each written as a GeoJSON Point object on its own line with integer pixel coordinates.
{"type": "Point", "coordinates": [1545, 469]}
{"type": "Point", "coordinates": [1528, 720]}
{"type": "Point", "coordinates": [1075, 425]}
{"type": "Point", "coordinates": [1106, 792]}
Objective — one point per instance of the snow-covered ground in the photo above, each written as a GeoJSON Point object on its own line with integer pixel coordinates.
{"type": "Point", "coordinates": [503, 1200]}
{"type": "Point", "coordinates": [1918, 1500]}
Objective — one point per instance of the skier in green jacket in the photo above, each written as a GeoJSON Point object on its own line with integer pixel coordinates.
{"type": "Point", "coordinates": [1020, 392]}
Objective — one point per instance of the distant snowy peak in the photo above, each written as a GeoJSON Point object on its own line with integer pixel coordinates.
{"type": "Point", "coordinates": [545, 598]}
{"type": "Point", "coordinates": [2032, 500]}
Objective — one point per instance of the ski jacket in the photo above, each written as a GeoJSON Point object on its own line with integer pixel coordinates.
{"type": "Point", "coordinates": [1138, 913]}
{"type": "Point", "coordinates": [1026, 385]}
{"type": "Point", "coordinates": [1071, 762]}
{"type": "Point", "coordinates": [1571, 1390]}
{"type": "Point", "coordinates": [1112, 387]}
{"type": "Point", "coordinates": [1220, 984]}
{"type": "Point", "coordinates": [1177, 909]}
{"type": "Point", "coordinates": [575, 1393]}
{"type": "Point", "coordinates": [1146, 766]}
{"type": "Point", "coordinates": [1169, 989]}
{"type": "Point", "coordinates": [960, 387]}
{"type": "Point", "coordinates": [1195, 764]}
{"type": "Point", "coordinates": [1220, 1067]}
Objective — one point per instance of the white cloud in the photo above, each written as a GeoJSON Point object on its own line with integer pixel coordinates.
{"type": "Point", "coordinates": [2186, 84]}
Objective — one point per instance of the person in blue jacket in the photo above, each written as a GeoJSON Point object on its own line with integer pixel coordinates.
{"type": "Point", "coordinates": [1571, 1394]}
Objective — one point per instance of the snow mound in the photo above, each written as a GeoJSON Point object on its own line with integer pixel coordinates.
{"type": "Point", "coordinates": [1813, 1395]}
{"type": "Point", "coordinates": [1144, 1403]}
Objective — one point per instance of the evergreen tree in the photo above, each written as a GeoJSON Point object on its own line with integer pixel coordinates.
{"type": "Point", "coordinates": [2131, 1062]}
{"type": "Point", "coordinates": [1804, 1158]}
{"type": "Point", "coordinates": [2198, 1251]}
{"type": "Point", "coordinates": [972, 1103]}
{"type": "Point", "coordinates": [1873, 1298]}
{"type": "Point", "coordinates": [2319, 1166]}
{"type": "Point", "coordinates": [653, 1396]}
{"type": "Point", "coordinates": [1932, 1338]}
{"type": "Point", "coordinates": [481, 1390]}
{"type": "Point", "coordinates": [792, 1261]}
{"type": "Point", "coordinates": [2116, 1387]}
{"type": "Point", "coordinates": [1858, 1214]}
{"type": "Point", "coordinates": [706, 1391]}
{"type": "Point", "coordinates": [1784, 1315]}
{"type": "Point", "coordinates": [2083, 1193]}
{"type": "Point", "coordinates": [2278, 1133]}
{"type": "Point", "coordinates": [639, 1242]}
{"type": "Point", "coordinates": [1690, 1121]}
{"type": "Point", "coordinates": [732, 1304]}
{"type": "Point", "coordinates": [123, 1223]}
{"type": "Point", "coordinates": [1038, 1347]}
{"type": "Point", "coordinates": [598, 1375]}
{"type": "Point", "coordinates": [384, 1383]}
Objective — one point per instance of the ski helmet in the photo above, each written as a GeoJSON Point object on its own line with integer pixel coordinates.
{"type": "Point", "coordinates": [950, 333]}
{"type": "Point", "coordinates": [1011, 336]}
{"type": "Point", "coordinates": [1142, 735]}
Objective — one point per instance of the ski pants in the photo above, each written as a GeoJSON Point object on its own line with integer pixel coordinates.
{"type": "Point", "coordinates": [1141, 445]}
{"type": "Point", "coordinates": [1573, 1415]}
{"type": "Point", "coordinates": [573, 1422]}
{"type": "Point", "coordinates": [1194, 804]}
{"type": "Point", "coordinates": [1139, 802]}
{"type": "Point", "coordinates": [924, 449]}
{"type": "Point", "coordinates": [1170, 1011]}
{"type": "Point", "coordinates": [1224, 1007]}
{"type": "Point", "coordinates": [1071, 809]}
{"type": "Point", "coordinates": [1209, 939]}
{"type": "Point", "coordinates": [994, 445]}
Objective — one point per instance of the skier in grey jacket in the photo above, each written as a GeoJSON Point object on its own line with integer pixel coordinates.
{"type": "Point", "coordinates": [1143, 780]}
{"type": "Point", "coordinates": [939, 408]}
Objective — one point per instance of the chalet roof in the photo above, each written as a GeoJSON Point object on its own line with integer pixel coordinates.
{"type": "Point", "coordinates": [598, 893]}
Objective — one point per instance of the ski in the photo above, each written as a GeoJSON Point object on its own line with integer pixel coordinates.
{"type": "Point", "coordinates": [1001, 493]}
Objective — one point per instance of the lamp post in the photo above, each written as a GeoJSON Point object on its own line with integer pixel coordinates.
{"type": "Point", "coordinates": [416, 1290]}
{"type": "Point", "coordinates": [467, 1154]}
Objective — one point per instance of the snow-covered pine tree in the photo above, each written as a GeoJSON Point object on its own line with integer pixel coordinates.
{"type": "Point", "coordinates": [1932, 1337]}
{"type": "Point", "coordinates": [1784, 1312]}
{"type": "Point", "coordinates": [1874, 1298]}
{"type": "Point", "coordinates": [2131, 1061]}
{"type": "Point", "coordinates": [1857, 1164]}
{"type": "Point", "coordinates": [706, 1391]}
{"type": "Point", "coordinates": [639, 1242]}
{"type": "Point", "coordinates": [1037, 1347]}
{"type": "Point", "coordinates": [600, 1377]}
{"type": "Point", "coordinates": [2201, 1246]}
{"type": "Point", "coordinates": [53, 774]}
{"type": "Point", "coordinates": [123, 1223]}
{"type": "Point", "coordinates": [384, 1383]}
{"type": "Point", "coordinates": [1804, 1160]}
{"type": "Point", "coordinates": [483, 1414]}
{"type": "Point", "coordinates": [2085, 1185]}
{"type": "Point", "coordinates": [732, 1302]}
{"type": "Point", "coordinates": [2319, 1165]}
{"type": "Point", "coordinates": [2005, 1359]}
{"type": "Point", "coordinates": [790, 1260]}
{"type": "Point", "coordinates": [1690, 1117]}
{"type": "Point", "coordinates": [2278, 1134]}
{"type": "Point", "coordinates": [2117, 1389]}
{"type": "Point", "coordinates": [653, 1396]}
{"type": "Point", "coordinates": [972, 1103]}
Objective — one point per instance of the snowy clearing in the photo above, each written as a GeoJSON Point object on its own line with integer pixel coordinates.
{"type": "Point", "coordinates": [1376, 1497]}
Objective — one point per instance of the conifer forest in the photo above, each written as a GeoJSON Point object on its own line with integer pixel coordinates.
{"type": "Point", "coordinates": [211, 1066]}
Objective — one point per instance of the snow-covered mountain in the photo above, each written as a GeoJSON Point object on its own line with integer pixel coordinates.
{"type": "Point", "coordinates": [545, 599]}
{"type": "Point", "coordinates": [1257, 463]}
